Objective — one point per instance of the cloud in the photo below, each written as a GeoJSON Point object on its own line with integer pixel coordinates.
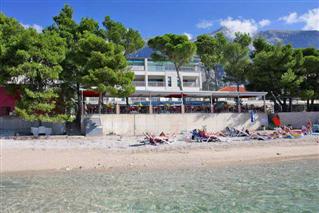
{"type": "Point", "coordinates": [310, 19]}
{"type": "Point", "coordinates": [264, 22]}
{"type": "Point", "coordinates": [204, 24]}
{"type": "Point", "coordinates": [239, 25]}
{"type": "Point", "coordinates": [190, 36]}
{"type": "Point", "coordinates": [291, 18]}
{"type": "Point", "coordinates": [38, 28]}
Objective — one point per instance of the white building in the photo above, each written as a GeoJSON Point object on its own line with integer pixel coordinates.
{"type": "Point", "coordinates": [162, 76]}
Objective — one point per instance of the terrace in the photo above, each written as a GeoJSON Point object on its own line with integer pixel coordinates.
{"type": "Point", "coordinates": [149, 102]}
{"type": "Point", "coordinates": [152, 66]}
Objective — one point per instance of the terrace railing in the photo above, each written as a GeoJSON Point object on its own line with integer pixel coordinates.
{"type": "Point", "coordinates": [137, 67]}
{"type": "Point", "coordinates": [190, 84]}
{"type": "Point", "coordinates": [156, 84]}
{"type": "Point", "coordinates": [139, 83]}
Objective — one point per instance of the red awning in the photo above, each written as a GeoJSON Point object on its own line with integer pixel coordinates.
{"type": "Point", "coordinates": [90, 93]}
{"type": "Point", "coordinates": [7, 100]}
{"type": "Point", "coordinates": [176, 95]}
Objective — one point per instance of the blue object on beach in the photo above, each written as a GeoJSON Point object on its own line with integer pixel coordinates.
{"type": "Point", "coordinates": [315, 128]}
{"type": "Point", "coordinates": [252, 116]}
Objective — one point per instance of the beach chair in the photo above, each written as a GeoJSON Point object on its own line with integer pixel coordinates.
{"type": "Point", "coordinates": [162, 138]}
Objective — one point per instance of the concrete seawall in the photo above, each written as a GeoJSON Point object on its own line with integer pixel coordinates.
{"type": "Point", "coordinates": [297, 119]}
{"type": "Point", "coordinates": [11, 125]}
{"type": "Point", "coordinates": [136, 124]}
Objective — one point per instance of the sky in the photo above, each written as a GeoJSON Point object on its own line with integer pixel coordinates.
{"type": "Point", "coordinates": [189, 17]}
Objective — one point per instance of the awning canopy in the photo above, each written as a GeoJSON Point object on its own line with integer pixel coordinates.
{"type": "Point", "coordinates": [6, 99]}
{"type": "Point", "coordinates": [179, 94]}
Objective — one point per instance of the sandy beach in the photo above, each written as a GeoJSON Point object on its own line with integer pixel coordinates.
{"type": "Point", "coordinates": [122, 153]}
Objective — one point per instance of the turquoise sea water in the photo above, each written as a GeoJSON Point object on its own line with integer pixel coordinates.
{"type": "Point", "coordinates": [278, 187]}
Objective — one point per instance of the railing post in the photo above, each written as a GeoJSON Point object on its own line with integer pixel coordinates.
{"type": "Point", "coordinates": [117, 108]}
{"type": "Point", "coordinates": [238, 103]}
{"type": "Point", "coordinates": [211, 105]}
{"type": "Point", "coordinates": [265, 107]}
{"type": "Point", "coordinates": [150, 105]}
{"type": "Point", "coordinates": [145, 64]}
{"type": "Point", "coordinates": [182, 106]}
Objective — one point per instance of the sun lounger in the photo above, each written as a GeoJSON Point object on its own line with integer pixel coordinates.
{"type": "Point", "coordinates": [232, 132]}
{"type": "Point", "coordinates": [162, 138]}
{"type": "Point", "coordinates": [203, 136]}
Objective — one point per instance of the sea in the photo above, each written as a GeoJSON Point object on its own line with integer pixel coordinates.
{"type": "Point", "coordinates": [289, 186]}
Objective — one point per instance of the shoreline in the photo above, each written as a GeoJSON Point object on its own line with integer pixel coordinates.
{"type": "Point", "coordinates": [38, 156]}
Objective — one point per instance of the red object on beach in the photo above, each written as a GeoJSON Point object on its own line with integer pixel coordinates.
{"type": "Point", "coordinates": [276, 121]}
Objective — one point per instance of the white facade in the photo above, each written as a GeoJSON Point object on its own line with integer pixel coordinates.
{"type": "Point", "coordinates": [162, 76]}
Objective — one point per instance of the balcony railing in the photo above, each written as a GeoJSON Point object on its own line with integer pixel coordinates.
{"type": "Point", "coordinates": [137, 68]}
{"type": "Point", "coordinates": [156, 84]}
{"type": "Point", "coordinates": [190, 84]}
{"type": "Point", "coordinates": [139, 83]}
{"type": "Point", "coordinates": [158, 66]}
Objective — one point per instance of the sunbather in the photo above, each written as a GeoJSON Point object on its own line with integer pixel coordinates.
{"type": "Point", "coordinates": [309, 127]}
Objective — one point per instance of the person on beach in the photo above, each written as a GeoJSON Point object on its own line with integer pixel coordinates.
{"type": "Point", "coordinates": [309, 127]}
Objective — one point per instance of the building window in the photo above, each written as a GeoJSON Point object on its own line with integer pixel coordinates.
{"type": "Point", "coordinates": [169, 81]}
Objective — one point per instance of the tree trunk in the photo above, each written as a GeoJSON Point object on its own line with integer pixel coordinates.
{"type": "Point", "coordinates": [215, 78]}
{"type": "Point", "coordinates": [238, 99]}
{"type": "Point", "coordinates": [207, 79]}
{"type": "Point", "coordinates": [290, 104]}
{"type": "Point", "coordinates": [308, 105]}
{"type": "Point", "coordinates": [180, 84]}
{"type": "Point", "coordinates": [79, 107]}
{"type": "Point", "coordinates": [100, 103]}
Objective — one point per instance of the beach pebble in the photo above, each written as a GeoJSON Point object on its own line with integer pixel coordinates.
{"type": "Point", "coordinates": [67, 168]}
{"type": "Point", "coordinates": [277, 153]}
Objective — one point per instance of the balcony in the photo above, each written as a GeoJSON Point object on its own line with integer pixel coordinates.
{"type": "Point", "coordinates": [137, 68]}
{"type": "Point", "coordinates": [190, 84]}
{"type": "Point", "coordinates": [139, 83]}
{"type": "Point", "coordinates": [156, 84]}
{"type": "Point", "coordinates": [167, 66]}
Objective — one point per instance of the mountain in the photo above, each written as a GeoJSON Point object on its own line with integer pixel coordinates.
{"type": "Point", "coordinates": [297, 38]}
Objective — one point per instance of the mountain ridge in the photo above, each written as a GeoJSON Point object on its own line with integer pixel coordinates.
{"type": "Point", "coordinates": [297, 38]}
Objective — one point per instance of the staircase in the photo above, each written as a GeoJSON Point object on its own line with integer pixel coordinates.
{"type": "Point", "coordinates": [93, 127]}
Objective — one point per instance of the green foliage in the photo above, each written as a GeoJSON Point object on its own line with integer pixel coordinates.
{"type": "Point", "coordinates": [40, 106]}
{"type": "Point", "coordinates": [84, 68]}
{"type": "Point", "coordinates": [117, 33]}
{"type": "Point", "coordinates": [243, 39]}
{"type": "Point", "coordinates": [211, 52]}
{"type": "Point", "coordinates": [307, 94]}
{"type": "Point", "coordinates": [311, 74]}
{"type": "Point", "coordinates": [236, 59]}
{"type": "Point", "coordinates": [175, 48]}
{"type": "Point", "coordinates": [276, 70]}
{"type": "Point", "coordinates": [10, 29]}
{"type": "Point", "coordinates": [34, 63]}
{"type": "Point", "coordinates": [105, 66]}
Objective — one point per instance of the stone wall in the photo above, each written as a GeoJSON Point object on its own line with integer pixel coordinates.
{"type": "Point", "coordinates": [297, 119]}
{"type": "Point", "coordinates": [11, 125]}
{"type": "Point", "coordinates": [136, 124]}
